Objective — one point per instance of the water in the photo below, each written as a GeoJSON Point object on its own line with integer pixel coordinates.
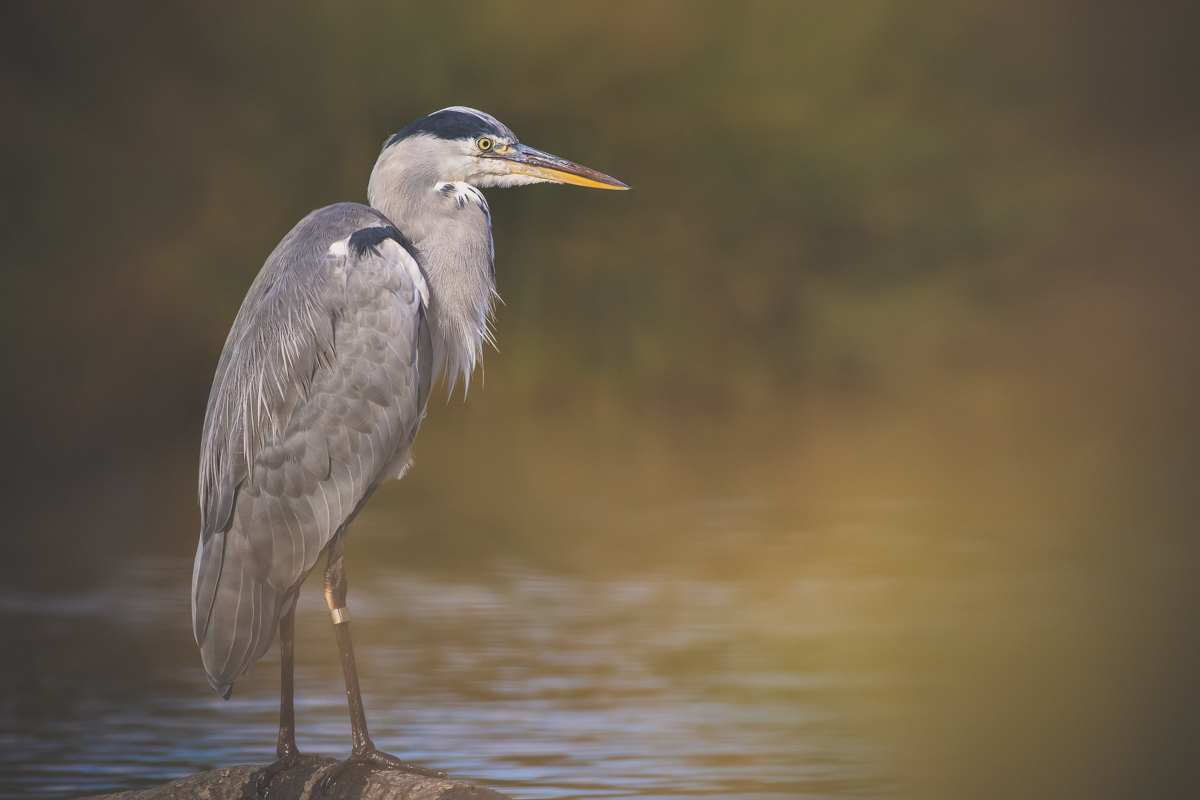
{"type": "Point", "coordinates": [716, 648]}
{"type": "Point", "coordinates": [539, 685]}
{"type": "Point", "coordinates": [747, 659]}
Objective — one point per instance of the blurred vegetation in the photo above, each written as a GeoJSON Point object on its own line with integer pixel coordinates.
{"type": "Point", "coordinates": [979, 214]}
{"type": "Point", "coordinates": [934, 263]}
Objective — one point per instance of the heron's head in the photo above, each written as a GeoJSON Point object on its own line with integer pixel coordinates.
{"type": "Point", "coordinates": [462, 144]}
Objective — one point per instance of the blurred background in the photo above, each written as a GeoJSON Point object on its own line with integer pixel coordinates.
{"type": "Point", "coordinates": [854, 452]}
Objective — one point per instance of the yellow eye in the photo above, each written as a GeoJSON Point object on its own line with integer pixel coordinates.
{"type": "Point", "coordinates": [484, 144]}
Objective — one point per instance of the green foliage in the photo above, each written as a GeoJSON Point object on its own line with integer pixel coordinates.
{"type": "Point", "coordinates": [842, 202]}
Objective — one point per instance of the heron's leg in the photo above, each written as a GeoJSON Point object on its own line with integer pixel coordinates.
{"type": "Point", "coordinates": [364, 750]}
{"type": "Point", "coordinates": [335, 595]}
{"type": "Point", "coordinates": [286, 753]}
{"type": "Point", "coordinates": [287, 684]}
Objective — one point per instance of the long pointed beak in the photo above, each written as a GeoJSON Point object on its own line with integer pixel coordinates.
{"type": "Point", "coordinates": [527, 161]}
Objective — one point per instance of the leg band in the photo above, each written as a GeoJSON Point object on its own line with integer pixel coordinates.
{"type": "Point", "coordinates": [339, 615]}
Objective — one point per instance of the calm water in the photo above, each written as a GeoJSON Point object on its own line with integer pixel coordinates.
{"type": "Point", "coordinates": [540, 686]}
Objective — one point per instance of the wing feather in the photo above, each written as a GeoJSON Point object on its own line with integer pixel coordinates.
{"type": "Point", "coordinates": [319, 391]}
{"type": "Point", "coordinates": [316, 454]}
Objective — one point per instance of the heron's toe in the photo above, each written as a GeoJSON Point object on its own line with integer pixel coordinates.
{"type": "Point", "coordinates": [272, 772]}
{"type": "Point", "coordinates": [376, 759]}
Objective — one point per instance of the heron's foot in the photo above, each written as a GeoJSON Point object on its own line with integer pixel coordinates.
{"type": "Point", "coordinates": [374, 759]}
{"type": "Point", "coordinates": [262, 783]}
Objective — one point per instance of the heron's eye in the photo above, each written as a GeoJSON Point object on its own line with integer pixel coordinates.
{"type": "Point", "coordinates": [484, 144]}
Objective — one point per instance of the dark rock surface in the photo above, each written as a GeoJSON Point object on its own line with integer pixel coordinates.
{"type": "Point", "coordinates": [299, 783]}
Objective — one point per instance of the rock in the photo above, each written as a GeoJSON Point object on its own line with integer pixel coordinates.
{"type": "Point", "coordinates": [299, 783]}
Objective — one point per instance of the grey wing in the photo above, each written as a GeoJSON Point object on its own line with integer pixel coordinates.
{"type": "Point", "coordinates": [317, 400]}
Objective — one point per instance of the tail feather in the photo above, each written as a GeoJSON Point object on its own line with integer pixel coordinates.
{"type": "Point", "coordinates": [234, 613]}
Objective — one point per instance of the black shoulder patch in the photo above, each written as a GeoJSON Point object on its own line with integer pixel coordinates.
{"type": "Point", "coordinates": [365, 239]}
{"type": "Point", "coordinates": [447, 124]}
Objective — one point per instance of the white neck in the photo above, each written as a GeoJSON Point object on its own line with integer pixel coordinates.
{"type": "Point", "coordinates": [450, 225]}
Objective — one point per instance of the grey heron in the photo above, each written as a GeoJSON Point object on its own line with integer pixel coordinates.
{"type": "Point", "coordinates": [324, 380]}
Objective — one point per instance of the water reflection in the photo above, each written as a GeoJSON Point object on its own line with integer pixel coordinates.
{"type": "Point", "coordinates": [864, 659]}
{"type": "Point", "coordinates": [541, 686]}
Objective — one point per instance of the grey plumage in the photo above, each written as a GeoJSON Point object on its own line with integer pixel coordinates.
{"type": "Point", "coordinates": [324, 380]}
{"type": "Point", "coordinates": [317, 399]}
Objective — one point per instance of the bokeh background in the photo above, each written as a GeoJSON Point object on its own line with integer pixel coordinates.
{"type": "Point", "coordinates": [904, 298]}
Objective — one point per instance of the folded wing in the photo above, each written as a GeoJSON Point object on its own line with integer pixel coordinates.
{"type": "Point", "coordinates": [317, 399]}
